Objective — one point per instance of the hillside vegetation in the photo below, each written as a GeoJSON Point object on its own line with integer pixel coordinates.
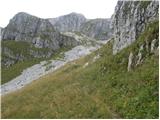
{"type": "Point", "coordinates": [89, 88]}
{"type": "Point", "coordinates": [22, 49]}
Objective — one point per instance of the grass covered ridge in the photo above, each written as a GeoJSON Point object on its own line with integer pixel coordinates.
{"type": "Point", "coordinates": [103, 89]}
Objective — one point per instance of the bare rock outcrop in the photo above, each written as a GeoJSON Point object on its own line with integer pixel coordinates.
{"type": "Point", "coordinates": [0, 33]}
{"type": "Point", "coordinates": [145, 49]}
{"type": "Point", "coordinates": [37, 32]}
{"type": "Point", "coordinates": [74, 22]}
{"type": "Point", "coordinates": [97, 28]}
{"type": "Point", "coordinates": [130, 61]}
{"type": "Point", "coordinates": [130, 19]}
{"type": "Point", "coordinates": [68, 23]}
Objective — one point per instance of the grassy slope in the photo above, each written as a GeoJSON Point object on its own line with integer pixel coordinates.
{"type": "Point", "coordinates": [104, 89]}
{"type": "Point", "coordinates": [19, 47]}
{"type": "Point", "coordinates": [8, 73]}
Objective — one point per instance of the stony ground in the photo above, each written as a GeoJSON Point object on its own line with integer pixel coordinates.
{"type": "Point", "coordinates": [36, 71]}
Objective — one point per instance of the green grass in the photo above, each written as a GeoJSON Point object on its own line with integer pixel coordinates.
{"type": "Point", "coordinates": [60, 53]}
{"type": "Point", "coordinates": [144, 4]}
{"type": "Point", "coordinates": [43, 50]}
{"type": "Point", "coordinates": [103, 89]}
{"type": "Point", "coordinates": [16, 47]}
{"type": "Point", "coordinates": [9, 73]}
{"type": "Point", "coordinates": [23, 48]}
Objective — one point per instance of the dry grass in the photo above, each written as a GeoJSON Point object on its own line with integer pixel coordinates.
{"type": "Point", "coordinates": [103, 89]}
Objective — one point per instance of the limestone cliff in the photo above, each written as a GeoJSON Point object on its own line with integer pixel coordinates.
{"type": "Point", "coordinates": [97, 28]}
{"type": "Point", "coordinates": [94, 28]}
{"type": "Point", "coordinates": [0, 33]}
{"type": "Point", "coordinates": [68, 23]}
{"type": "Point", "coordinates": [130, 19]}
{"type": "Point", "coordinates": [36, 33]}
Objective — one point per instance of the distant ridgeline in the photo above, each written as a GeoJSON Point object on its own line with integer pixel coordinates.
{"type": "Point", "coordinates": [41, 38]}
{"type": "Point", "coordinates": [94, 28]}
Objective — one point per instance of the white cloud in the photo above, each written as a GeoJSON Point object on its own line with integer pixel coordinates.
{"type": "Point", "coordinates": [55, 8]}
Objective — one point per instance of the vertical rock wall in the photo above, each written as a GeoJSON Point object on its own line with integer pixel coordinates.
{"type": "Point", "coordinates": [130, 19]}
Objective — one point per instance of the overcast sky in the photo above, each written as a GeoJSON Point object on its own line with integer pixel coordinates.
{"type": "Point", "coordinates": [54, 8]}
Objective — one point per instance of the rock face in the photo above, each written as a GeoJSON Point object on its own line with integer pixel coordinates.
{"type": "Point", "coordinates": [130, 19]}
{"type": "Point", "coordinates": [38, 33]}
{"type": "Point", "coordinates": [153, 45]}
{"type": "Point", "coordinates": [94, 28]}
{"type": "Point", "coordinates": [68, 23]}
{"type": "Point", "coordinates": [136, 59]}
{"type": "Point", "coordinates": [0, 33]}
{"type": "Point", "coordinates": [97, 28]}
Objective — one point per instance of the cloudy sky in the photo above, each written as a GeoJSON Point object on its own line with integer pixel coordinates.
{"type": "Point", "coordinates": [54, 8]}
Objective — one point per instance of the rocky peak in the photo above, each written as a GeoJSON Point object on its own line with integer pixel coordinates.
{"type": "Point", "coordinates": [94, 28]}
{"type": "Point", "coordinates": [130, 19]}
{"type": "Point", "coordinates": [68, 23]}
{"type": "Point", "coordinates": [38, 33]}
{"type": "Point", "coordinates": [97, 28]}
{"type": "Point", "coordinates": [24, 27]}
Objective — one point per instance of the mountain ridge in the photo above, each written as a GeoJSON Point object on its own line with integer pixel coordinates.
{"type": "Point", "coordinates": [37, 32]}
{"type": "Point", "coordinates": [77, 22]}
{"type": "Point", "coordinates": [118, 80]}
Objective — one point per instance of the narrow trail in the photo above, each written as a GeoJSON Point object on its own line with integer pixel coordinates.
{"type": "Point", "coordinates": [36, 71]}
